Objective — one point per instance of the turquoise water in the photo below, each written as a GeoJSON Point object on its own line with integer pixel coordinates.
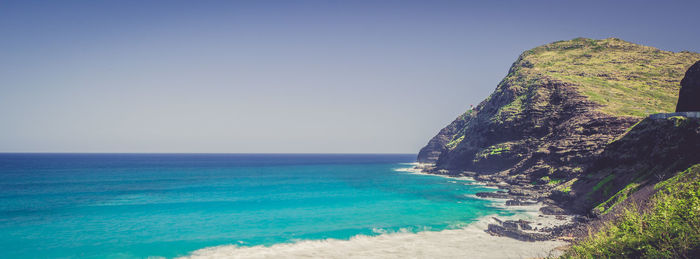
{"type": "Point", "coordinates": [141, 205]}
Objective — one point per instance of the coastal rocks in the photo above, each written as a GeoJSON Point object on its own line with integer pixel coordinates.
{"type": "Point", "coordinates": [519, 202]}
{"type": "Point", "coordinates": [514, 229]}
{"type": "Point", "coordinates": [524, 225]}
{"type": "Point", "coordinates": [516, 195]}
{"type": "Point", "coordinates": [516, 191]}
{"type": "Point", "coordinates": [514, 224]}
{"type": "Point", "coordinates": [552, 210]}
{"type": "Point", "coordinates": [689, 95]}
{"type": "Point", "coordinates": [542, 132]}
{"type": "Point", "coordinates": [561, 197]}
{"type": "Point", "coordinates": [492, 195]}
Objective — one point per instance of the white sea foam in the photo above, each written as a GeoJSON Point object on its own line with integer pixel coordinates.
{"type": "Point", "coordinates": [467, 242]}
{"type": "Point", "coordinates": [417, 169]}
{"type": "Point", "coordinates": [470, 241]}
{"type": "Point", "coordinates": [407, 169]}
{"type": "Point", "coordinates": [411, 164]}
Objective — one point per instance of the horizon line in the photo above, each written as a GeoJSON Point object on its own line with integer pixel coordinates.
{"type": "Point", "coordinates": [211, 153]}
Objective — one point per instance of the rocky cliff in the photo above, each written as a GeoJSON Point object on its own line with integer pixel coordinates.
{"type": "Point", "coordinates": [558, 108]}
{"type": "Point", "coordinates": [651, 151]}
{"type": "Point", "coordinates": [643, 191]}
{"type": "Point", "coordinates": [569, 126]}
{"type": "Point", "coordinates": [689, 95]}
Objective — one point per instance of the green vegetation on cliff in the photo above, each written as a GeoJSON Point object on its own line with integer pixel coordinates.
{"type": "Point", "coordinates": [625, 78]}
{"type": "Point", "coordinates": [558, 100]}
{"type": "Point", "coordinates": [645, 189]}
{"type": "Point", "coordinates": [670, 228]}
{"type": "Point", "coordinates": [568, 117]}
{"type": "Point", "coordinates": [650, 151]}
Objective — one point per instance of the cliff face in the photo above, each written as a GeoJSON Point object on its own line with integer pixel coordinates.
{"type": "Point", "coordinates": [689, 95]}
{"type": "Point", "coordinates": [643, 189]}
{"type": "Point", "coordinates": [652, 151]}
{"type": "Point", "coordinates": [431, 152]}
{"type": "Point", "coordinates": [569, 126]}
{"type": "Point", "coordinates": [558, 108]}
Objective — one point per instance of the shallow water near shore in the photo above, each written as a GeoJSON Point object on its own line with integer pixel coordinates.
{"type": "Point", "coordinates": [169, 205]}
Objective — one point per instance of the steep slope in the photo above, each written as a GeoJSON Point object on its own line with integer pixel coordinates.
{"type": "Point", "coordinates": [689, 95]}
{"type": "Point", "coordinates": [652, 151]}
{"type": "Point", "coordinates": [443, 140]}
{"type": "Point", "coordinates": [663, 225]}
{"type": "Point", "coordinates": [557, 109]}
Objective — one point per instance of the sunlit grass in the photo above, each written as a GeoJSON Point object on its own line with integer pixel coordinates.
{"type": "Point", "coordinates": [625, 78]}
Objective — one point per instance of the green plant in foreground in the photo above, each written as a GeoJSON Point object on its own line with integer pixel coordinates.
{"type": "Point", "coordinates": [670, 229]}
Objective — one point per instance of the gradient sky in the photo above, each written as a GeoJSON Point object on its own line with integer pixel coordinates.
{"type": "Point", "coordinates": [286, 76]}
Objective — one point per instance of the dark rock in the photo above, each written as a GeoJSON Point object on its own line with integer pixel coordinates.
{"type": "Point", "coordinates": [546, 200]}
{"type": "Point", "coordinates": [510, 224]}
{"type": "Point", "coordinates": [546, 127]}
{"type": "Point", "coordinates": [552, 210]}
{"type": "Point", "coordinates": [581, 219]}
{"type": "Point", "coordinates": [431, 152]}
{"type": "Point", "coordinates": [497, 230]}
{"type": "Point", "coordinates": [516, 224]}
{"type": "Point", "coordinates": [555, 118]}
{"type": "Point", "coordinates": [519, 191]}
{"type": "Point", "coordinates": [561, 229]}
{"type": "Point", "coordinates": [519, 202]}
{"type": "Point", "coordinates": [561, 197]}
{"type": "Point", "coordinates": [661, 147]}
{"type": "Point", "coordinates": [493, 195]}
{"type": "Point", "coordinates": [689, 95]}
{"type": "Point", "coordinates": [524, 224]}
{"type": "Point", "coordinates": [497, 220]}
{"type": "Point", "coordinates": [468, 173]}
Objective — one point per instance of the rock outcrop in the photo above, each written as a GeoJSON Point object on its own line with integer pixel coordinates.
{"type": "Point", "coordinates": [689, 95]}
{"type": "Point", "coordinates": [652, 151]}
{"type": "Point", "coordinates": [438, 144]}
{"type": "Point", "coordinates": [557, 109]}
{"type": "Point", "coordinates": [569, 127]}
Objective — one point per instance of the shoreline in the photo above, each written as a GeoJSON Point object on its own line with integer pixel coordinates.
{"type": "Point", "coordinates": [514, 197]}
{"type": "Point", "coordinates": [525, 234]}
{"type": "Point", "coordinates": [470, 241]}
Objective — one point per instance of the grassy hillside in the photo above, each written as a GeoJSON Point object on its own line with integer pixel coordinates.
{"type": "Point", "coordinates": [554, 82]}
{"type": "Point", "coordinates": [625, 78]}
{"type": "Point", "coordinates": [561, 125]}
{"type": "Point", "coordinates": [669, 229]}
{"type": "Point", "coordinates": [559, 105]}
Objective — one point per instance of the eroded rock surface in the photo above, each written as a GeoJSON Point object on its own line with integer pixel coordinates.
{"type": "Point", "coordinates": [689, 95]}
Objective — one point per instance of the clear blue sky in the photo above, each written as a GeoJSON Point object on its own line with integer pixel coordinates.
{"type": "Point", "coordinates": [279, 76]}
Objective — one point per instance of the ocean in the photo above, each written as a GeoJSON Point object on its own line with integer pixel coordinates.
{"type": "Point", "coordinates": [171, 205]}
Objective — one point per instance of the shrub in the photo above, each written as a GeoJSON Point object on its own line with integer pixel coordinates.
{"type": "Point", "coordinates": [671, 229]}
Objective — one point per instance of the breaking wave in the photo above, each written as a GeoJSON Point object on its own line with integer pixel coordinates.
{"type": "Point", "coordinates": [468, 242]}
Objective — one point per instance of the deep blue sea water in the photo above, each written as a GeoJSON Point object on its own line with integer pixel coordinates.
{"type": "Point", "coordinates": [141, 205]}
